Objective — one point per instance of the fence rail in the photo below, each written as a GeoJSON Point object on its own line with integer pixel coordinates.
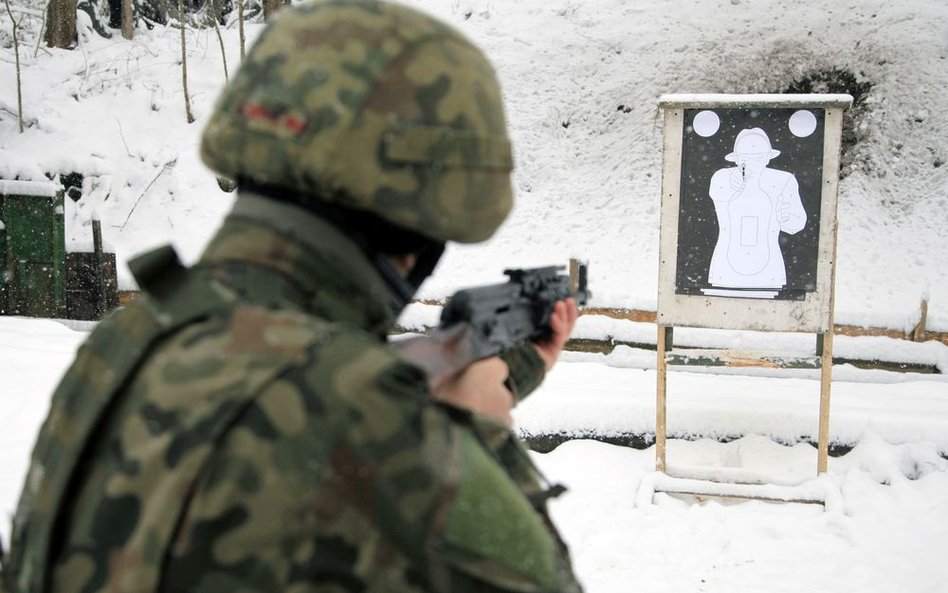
{"type": "Point", "coordinates": [916, 334]}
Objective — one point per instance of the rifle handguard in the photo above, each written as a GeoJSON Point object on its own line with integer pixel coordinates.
{"type": "Point", "coordinates": [485, 321]}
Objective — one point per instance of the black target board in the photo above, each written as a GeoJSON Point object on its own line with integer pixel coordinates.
{"type": "Point", "coordinates": [749, 213]}
{"type": "Point", "coordinates": [749, 209]}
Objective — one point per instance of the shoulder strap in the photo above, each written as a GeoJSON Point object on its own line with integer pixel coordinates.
{"type": "Point", "coordinates": [103, 367]}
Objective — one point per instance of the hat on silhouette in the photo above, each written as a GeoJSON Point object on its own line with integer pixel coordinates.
{"type": "Point", "coordinates": [752, 142]}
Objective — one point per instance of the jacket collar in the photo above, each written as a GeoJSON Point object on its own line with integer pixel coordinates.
{"type": "Point", "coordinates": [304, 261]}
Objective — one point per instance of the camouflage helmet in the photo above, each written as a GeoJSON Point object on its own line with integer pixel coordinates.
{"type": "Point", "coordinates": [372, 106]}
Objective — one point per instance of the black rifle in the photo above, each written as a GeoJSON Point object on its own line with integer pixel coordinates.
{"type": "Point", "coordinates": [485, 321]}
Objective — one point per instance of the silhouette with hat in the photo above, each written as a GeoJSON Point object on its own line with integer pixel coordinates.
{"type": "Point", "coordinates": [753, 204]}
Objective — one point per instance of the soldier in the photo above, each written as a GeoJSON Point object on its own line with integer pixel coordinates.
{"type": "Point", "coordinates": [243, 426]}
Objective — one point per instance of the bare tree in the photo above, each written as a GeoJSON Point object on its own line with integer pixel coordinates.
{"type": "Point", "coordinates": [61, 24]}
{"type": "Point", "coordinates": [240, 25]}
{"type": "Point", "coordinates": [16, 52]}
{"type": "Point", "coordinates": [184, 63]}
{"type": "Point", "coordinates": [213, 15]}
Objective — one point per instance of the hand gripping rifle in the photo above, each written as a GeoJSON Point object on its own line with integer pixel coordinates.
{"type": "Point", "coordinates": [485, 321]}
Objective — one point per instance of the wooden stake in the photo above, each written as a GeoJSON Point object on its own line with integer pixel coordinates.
{"type": "Point", "coordinates": [918, 334]}
{"type": "Point", "coordinates": [826, 377]}
{"type": "Point", "coordinates": [98, 254]}
{"type": "Point", "coordinates": [661, 370]}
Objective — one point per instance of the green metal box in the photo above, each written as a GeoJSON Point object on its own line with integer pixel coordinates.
{"type": "Point", "coordinates": [32, 249]}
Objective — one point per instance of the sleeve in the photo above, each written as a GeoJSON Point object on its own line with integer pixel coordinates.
{"type": "Point", "coordinates": [432, 486]}
{"type": "Point", "coordinates": [527, 370]}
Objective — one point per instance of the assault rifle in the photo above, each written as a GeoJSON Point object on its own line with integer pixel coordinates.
{"type": "Point", "coordinates": [485, 321]}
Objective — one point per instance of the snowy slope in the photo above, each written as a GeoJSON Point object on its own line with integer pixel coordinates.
{"type": "Point", "coordinates": [582, 80]}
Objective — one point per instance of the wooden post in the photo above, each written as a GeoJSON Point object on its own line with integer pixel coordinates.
{"type": "Point", "coordinates": [4, 308]}
{"type": "Point", "coordinates": [826, 374]}
{"type": "Point", "coordinates": [826, 377]}
{"type": "Point", "coordinates": [661, 368]}
{"type": "Point", "coordinates": [59, 255]}
{"type": "Point", "coordinates": [573, 273]}
{"type": "Point", "coordinates": [100, 302]}
{"type": "Point", "coordinates": [918, 334]}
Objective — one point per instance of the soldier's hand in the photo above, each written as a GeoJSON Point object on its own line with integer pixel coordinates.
{"type": "Point", "coordinates": [562, 322]}
{"type": "Point", "coordinates": [480, 388]}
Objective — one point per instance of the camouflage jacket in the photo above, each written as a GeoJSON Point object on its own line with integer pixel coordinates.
{"type": "Point", "coordinates": [244, 427]}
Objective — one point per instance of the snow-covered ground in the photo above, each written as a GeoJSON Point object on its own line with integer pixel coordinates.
{"type": "Point", "coordinates": [582, 81]}
{"type": "Point", "coordinates": [883, 528]}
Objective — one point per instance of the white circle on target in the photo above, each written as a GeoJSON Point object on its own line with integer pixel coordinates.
{"type": "Point", "coordinates": [706, 123]}
{"type": "Point", "coordinates": [802, 123]}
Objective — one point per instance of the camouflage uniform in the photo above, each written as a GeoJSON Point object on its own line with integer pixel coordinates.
{"type": "Point", "coordinates": [243, 426]}
{"type": "Point", "coordinates": [271, 441]}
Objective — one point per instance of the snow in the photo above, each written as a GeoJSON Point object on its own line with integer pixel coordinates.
{"type": "Point", "coordinates": [29, 188]}
{"type": "Point", "coordinates": [882, 526]}
{"type": "Point", "coordinates": [784, 405]}
{"type": "Point", "coordinates": [880, 531]}
{"type": "Point", "coordinates": [583, 82]}
{"type": "Point", "coordinates": [697, 100]}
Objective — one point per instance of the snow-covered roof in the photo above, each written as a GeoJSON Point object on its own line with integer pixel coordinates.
{"type": "Point", "coordinates": [686, 101]}
{"type": "Point", "coordinates": [29, 188]}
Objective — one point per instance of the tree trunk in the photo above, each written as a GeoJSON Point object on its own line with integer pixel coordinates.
{"type": "Point", "coordinates": [128, 19]}
{"type": "Point", "coordinates": [184, 63]}
{"type": "Point", "coordinates": [220, 38]}
{"type": "Point", "coordinates": [61, 24]}
{"type": "Point", "coordinates": [19, 87]}
{"type": "Point", "coordinates": [240, 25]}
{"type": "Point", "coordinates": [271, 6]}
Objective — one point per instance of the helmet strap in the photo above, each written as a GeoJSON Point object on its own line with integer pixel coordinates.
{"type": "Point", "coordinates": [375, 236]}
{"type": "Point", "coordinates": [402, 289]}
